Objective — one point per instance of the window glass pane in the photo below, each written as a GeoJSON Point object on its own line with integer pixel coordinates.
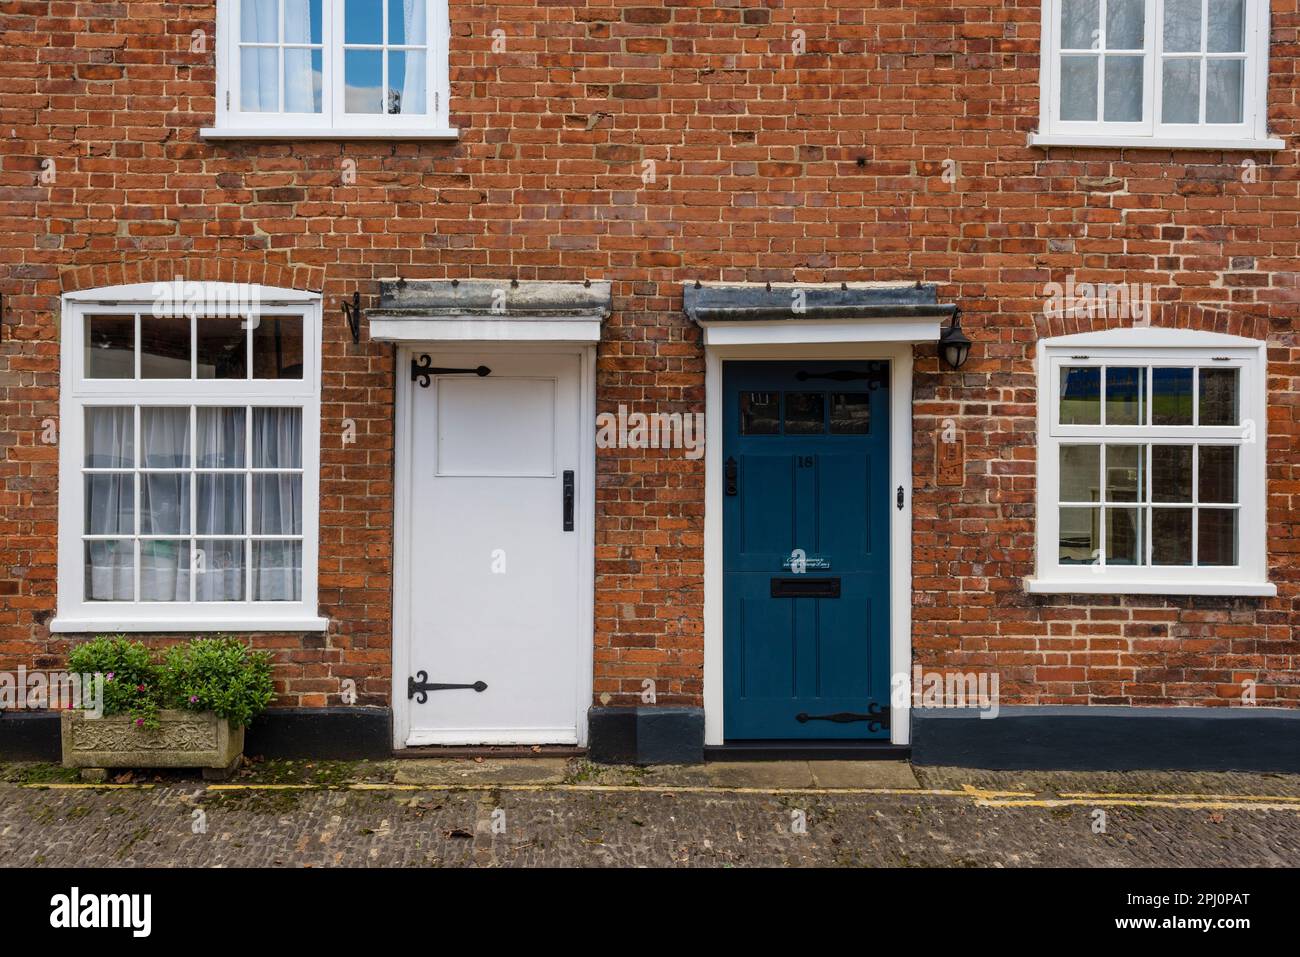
{"type": "Point", "coordinates": [221, 438]}
{"type": "Point", "coordinates": [1125, 24]}
{"type": "Point", "coordinates": [110, 570]}
{"type": "Point", "coordinates": [1080, 473]}
{"type": "Point", "coordinates": [219, 570]}
{"type": "Point", "coordinates": [165, 570]}
{"type": "Point", "coordinates": [1126, 395]}
{"type": "Point", "coordinates": [805, 413]}
{"type": "Point", "coordinates": [277, 348]}
{"type": "Point", "coordinates": [1219, 392]}
{"type": "Point", "coordinates": [110, 437]}
{"type": "Point", "coordinates": [1171, 473]}
{"type": "Point", "coordinates": [259, 21]}
{"type": "Point", "coordinates": [1081, 395]}
{"type": "Point", "coordinates": [110, 347]}
{"type": "Point", "coordinates": [220, 504]}
{"type": "Point", "coordinates": [1171, 536]}
{"type": "Point", "coordinates": [1182, 26]}
{"type": "Point", "coordinates": [406, 75]}
{"type": "Point", "coordinates": [759, 413]}
{"type": "Point", "coordinates": [1226, 32]}
{"type": "Point", "coordinates": [164, 504]}
{"type": "Point", "coordinates": [1216, 542]}
{"type": "Point", "coordinates": [406, 22]}
{"type": "Point", "coordinates": [110, 503]}
{"type": "Point", "coordinates": [1126, 479]}
{"type": "Point", "coordinates": [1080, 20]}
{"type": "Point", "coordinates": [1124, 541]}
{"type": "Point", "coordinates": [1218, 474]}
{"type": "Point", "coordinates": [1079, 88]}
{"type": "Point", "coordinates": [164, 347]}
{"type": "Point", "coordinates": [277, 571]}
{"type": "Point", "coordinates": [1224, 90]}
{"type": "Point", "coordinates": [259, 79]}
{"type": "Point", "coordinates": [1171, 396]}
{"type": "Point", "coordinates": [1079, 542]}
{"type": "Point", "coordinates": [1181, 91]}
{"type": "Point", "coordinates": [165, 435]}
{"type": "Point", "coordinates": [363, 72]}
{"type": "Point", "coordinates": [363, 21]}
{"type": "Point", "coordinates": [302, 80]}
{"type": "Point", "coordinates": [277, 504]}
{"type": "Point", "coordinates": [222, 348]}
{"type": "Point", "coordinates": [302, 21]}
{"type": "Point", "coordinates": [850, 413]}
{"type": "Point", "coordinates": [277, 438]}
{"type": "Point", "coordinates": [1123, 89]}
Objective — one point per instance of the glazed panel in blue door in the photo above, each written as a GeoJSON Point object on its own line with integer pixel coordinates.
{"type": "Point", "coordinates": [806, 550]}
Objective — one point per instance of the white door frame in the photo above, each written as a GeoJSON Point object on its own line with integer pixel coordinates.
{"type": "Point", "coordinates": [899, 357]}
{"type": "Point", "coordinates": [403, 633]}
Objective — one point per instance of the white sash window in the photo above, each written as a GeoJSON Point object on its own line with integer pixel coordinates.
{"type": "Point", "coordinates": [319, 68]}
{"type": "Point", "coordinates": [1151, 464]}
{"type": "Point", "coordinates": [189, 459]}
{"type": "Point", "coordinates": [1180, 73]}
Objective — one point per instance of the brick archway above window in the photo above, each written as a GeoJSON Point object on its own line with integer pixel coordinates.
{"type": "Point", "coordinates": [1096, 313]}
{"type": "Point", "coordinates": [194, 268]}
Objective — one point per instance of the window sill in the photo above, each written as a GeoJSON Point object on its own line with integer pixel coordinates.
{"type": "Point", "coordinates": [65, 625]}
{"type": "Point", "coordinates": [1084, 586]}
{"type": "Point", "coordinates": [246, 133]}
{"type": "Point", "coordinates": [1155, 143]}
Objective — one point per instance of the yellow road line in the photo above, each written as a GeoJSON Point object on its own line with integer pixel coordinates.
{"type": "Point", "coordinates": [1153, 801]}
{"type": "Point", "coordinates": [1179, 797]}
{"type": "Point", "coordinates": [84, 786]}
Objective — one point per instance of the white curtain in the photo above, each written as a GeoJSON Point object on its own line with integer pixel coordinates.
{"type": "Point", "coordinates": [299, 78]}
{"type": "Point", "coordinates": [259, 22]}
{"type": "Point", "coordinates": [277, 504]}
{"type": "Point", "coordinates": [259, 67]}
{"type": "Point", "coordinates": [413, 20]}
{"type": "Point", "coordinates": [219, 507]}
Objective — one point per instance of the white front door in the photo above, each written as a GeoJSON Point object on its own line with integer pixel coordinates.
{"type": "Point", "coordinates": [493, 577]}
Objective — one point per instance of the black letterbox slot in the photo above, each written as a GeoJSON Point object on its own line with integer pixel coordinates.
{"type": "Point", "coordinates": [805, 587]}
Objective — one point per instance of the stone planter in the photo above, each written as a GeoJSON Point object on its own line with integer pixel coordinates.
{"type": "Point", "coordinates": [186, 739]}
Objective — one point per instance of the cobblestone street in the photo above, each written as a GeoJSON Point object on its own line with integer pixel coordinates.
{"type": "Point", "coordinates": [520, 814]}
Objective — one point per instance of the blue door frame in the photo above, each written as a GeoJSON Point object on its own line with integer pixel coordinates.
{"type": "Point", "coordinates": [806, 574]}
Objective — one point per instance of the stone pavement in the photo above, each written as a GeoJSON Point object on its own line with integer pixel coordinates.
{"type": "Point", "coordinates": [557, 812]}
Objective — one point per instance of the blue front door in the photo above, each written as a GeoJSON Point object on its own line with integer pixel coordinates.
{"type": "Point", "coordinates": [806, 504]}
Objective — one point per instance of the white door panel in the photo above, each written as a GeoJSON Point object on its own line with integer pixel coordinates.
{"type": "Point", "coordinates": [494, 574]}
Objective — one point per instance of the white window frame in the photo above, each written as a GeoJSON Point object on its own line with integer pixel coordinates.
{"type": "Point", "coordinates": [76, 393]}
{"type": "Point", "coordinates": [332, 122]}
{"type": "Point", "coordinates": [1155, 347]}
{"type": "Point", "coordinates": [1250, 134]}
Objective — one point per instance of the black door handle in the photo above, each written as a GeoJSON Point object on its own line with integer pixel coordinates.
{"type": "Point", "coordinates": [568, 500]}
{"type": "Point", "coordinates": [731, 476]}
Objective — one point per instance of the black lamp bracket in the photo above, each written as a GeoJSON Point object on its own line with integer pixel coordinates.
{"type": "Point", "coordinates": [352, 313]}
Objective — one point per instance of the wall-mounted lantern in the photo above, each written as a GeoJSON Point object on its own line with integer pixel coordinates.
{"type": "Point", "coordinates": [954, 347]}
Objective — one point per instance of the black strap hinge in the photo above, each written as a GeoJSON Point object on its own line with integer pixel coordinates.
{"type": "Point", "coordinates": [420, 686]}
{"type": "Point", "coordinates": [423, 370]}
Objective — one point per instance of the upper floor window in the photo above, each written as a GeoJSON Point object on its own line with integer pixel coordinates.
{"type": "Point", "coordinates": [1151, 464]}
{"type": "Point", "coordinates": [1155, 72]}
{"type": "Point", "coordinates": [301, 68]}
{"type": "Point", "coordinates": [189, 459]}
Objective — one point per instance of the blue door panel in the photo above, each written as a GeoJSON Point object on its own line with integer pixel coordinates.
{"type": "Point", "coordinates": [808, 444]}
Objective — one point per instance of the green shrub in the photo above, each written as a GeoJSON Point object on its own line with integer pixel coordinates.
{"type": "Point", "coordinates": [219, 675]}
{"type": "Point", "coordinates": [208, 674]}
{"type": "Point", "coordinates": [131, 679]}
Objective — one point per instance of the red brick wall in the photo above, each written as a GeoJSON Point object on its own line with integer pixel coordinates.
{"type": "Point", "coordinates": [768, 166]}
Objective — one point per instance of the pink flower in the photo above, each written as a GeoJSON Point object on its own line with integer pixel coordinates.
{"type": "Point", "coordinates": [139, 722]}
{"type": "Point", "coordinates": [139, 687]}
{"type": "Point", "coordinates": [194, 699]}
{"type": "Point", "coordinates": [109, 677]}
